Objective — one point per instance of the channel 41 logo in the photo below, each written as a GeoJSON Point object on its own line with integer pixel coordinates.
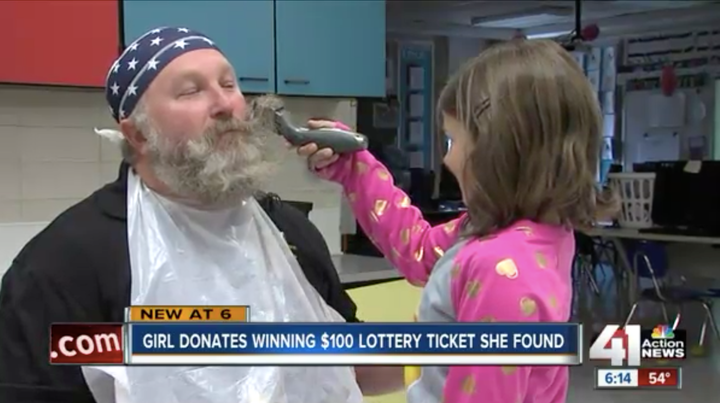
{"type": "Point", "coordinates": [629, 346]}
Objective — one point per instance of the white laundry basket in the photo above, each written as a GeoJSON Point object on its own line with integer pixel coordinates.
{"type": "Point", "coordinates": [636, 194]}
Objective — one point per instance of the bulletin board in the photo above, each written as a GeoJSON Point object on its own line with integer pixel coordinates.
{"type": "Point", "coordinates": [415, 95]}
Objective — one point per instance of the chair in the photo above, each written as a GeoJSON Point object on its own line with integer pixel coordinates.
{"type": "Point", "coordinates": [596, 265]}
{"type": "Point", "coordinates": [586, 261]}
{"type": "Point", "coordinates": [584, 276]}
{"type": "Point", "coordinates": [663, 292]}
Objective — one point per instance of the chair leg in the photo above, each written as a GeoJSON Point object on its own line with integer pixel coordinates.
{"type": "Point", "coordinates": [680, 314]}
{"type": "Point", "coordinates": [592, 282]}
{"type": "Point", "coordinates": [582, 298]}
{"type": "Point", "coordinates": [703, 330]}
{"type": "Point", "coordinates": [708, 312]}
{"type": "Point", "coordinates": [621, 293]}
{"type": "Point", "coordinates": [630, 315]}
{"type": "Point", "coordinates": [666, 316]}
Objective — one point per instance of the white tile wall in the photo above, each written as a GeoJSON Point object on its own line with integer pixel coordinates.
{"type": "Point", "coordinates": [50, 158]}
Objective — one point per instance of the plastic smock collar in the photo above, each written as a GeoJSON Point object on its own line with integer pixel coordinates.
{"type": "Point", "coordinates": [183, 256]}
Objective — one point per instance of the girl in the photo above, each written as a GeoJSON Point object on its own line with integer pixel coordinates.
{"type": "Point", "coordinates": [525, 129]}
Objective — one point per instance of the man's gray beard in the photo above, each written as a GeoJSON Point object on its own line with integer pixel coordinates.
{"type": "Point", "coordinates": [225, 166]}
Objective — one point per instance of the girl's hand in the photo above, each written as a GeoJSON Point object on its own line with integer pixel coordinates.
{"type": "Point", "coordinates": [318, 159]}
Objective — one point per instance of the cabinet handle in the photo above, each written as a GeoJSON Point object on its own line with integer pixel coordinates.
{"type": "Point", "coordinates": [303, 82]}
{"type": "Point", "coordinates": [253, 79]}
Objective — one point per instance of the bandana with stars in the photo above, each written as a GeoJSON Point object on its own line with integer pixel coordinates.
{"type": "Point", "coordinates": [142, 61]}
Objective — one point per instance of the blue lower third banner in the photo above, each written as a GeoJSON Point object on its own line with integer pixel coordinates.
{"type": "Point", "coordinates": [353, 344]}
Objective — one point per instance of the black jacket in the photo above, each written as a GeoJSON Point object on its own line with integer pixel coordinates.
{"type": "Point", "coordinates": [77, 270]}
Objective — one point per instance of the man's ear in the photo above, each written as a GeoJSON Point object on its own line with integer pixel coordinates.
{"type": "Point", "coordinates": [132, 134]}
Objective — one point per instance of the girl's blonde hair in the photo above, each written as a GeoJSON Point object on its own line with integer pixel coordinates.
{"type": "Point", "coordinates": [535, 132]}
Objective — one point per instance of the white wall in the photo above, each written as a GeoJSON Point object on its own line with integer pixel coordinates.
{"type": "Point", "coordinates": [50, 159]}
{"type": "Point", "coordinates": [462, 49]}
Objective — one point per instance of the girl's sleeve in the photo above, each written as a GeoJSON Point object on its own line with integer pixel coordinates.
{"type": "Point", "coordinates": [488, 289]}
{"type": "Point", "coordinates": [385, 213]}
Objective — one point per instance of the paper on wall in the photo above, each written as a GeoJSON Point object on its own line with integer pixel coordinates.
{"type": "Point", "coordinates": [693, 167]}
{"type": "Point", "coordinates": [416, 135]}
{"type": "Point", "coordinates": [417, 78]}
{"type": "Point", "coordinates": [417, 107]}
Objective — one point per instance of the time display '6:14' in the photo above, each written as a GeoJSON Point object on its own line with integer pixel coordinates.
{"type": "Point", "coordinates": [616, 378]}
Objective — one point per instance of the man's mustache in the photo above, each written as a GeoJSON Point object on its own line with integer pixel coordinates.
{"type": "Point", "coordinates": [236, 125]}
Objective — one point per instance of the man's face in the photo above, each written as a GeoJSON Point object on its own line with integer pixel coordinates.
{"type": "Point", "coordinates": [200, 142]}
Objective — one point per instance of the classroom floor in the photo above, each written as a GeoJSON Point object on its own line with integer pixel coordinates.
{"type": "Point", "coordinates": [700, 375]}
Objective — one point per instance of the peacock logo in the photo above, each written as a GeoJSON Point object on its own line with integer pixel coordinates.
{"type": "Point", "coordinates": [662, 332]}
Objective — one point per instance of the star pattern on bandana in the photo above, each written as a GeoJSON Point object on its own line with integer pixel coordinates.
{"type": "Point", "coordinates": [131, 74]}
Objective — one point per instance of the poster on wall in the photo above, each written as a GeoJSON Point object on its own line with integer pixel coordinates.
{"type": "Point", "coordinates": [416, 76]}
{"type": "Point", "coordinates": [580, 59]}
{"type": "Point", "coordinates": [415, 93]}
{"type": "Point", "coordinates": [659, 145]}
{"type": "Point", "coordinates": [594, 78]}
{"type": "Point", "coordinates": [697, 149]}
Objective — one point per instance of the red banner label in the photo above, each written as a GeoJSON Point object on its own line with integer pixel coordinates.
{"type": "Point", "coordinates": [86, 344]}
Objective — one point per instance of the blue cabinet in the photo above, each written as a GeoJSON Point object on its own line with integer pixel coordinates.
{"type": "Point", "coordinates": [293, 47]}
{"type": "Point", "coordinates": [242, 29]}
{"type": "Point", "coordinates": [330, 47]}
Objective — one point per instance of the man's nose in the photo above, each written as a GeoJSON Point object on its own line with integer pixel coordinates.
{"type": "Point", "coordinates": [223, 105]}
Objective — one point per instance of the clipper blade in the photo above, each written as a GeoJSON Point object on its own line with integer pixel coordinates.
{"type": "Point", "coordinates": [269, 104]}
{"type": "Point", "coordinates": [265, 109]}
{"type": "Point", "coordinates": [270, 108]}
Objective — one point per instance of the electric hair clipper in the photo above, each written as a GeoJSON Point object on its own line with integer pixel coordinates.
{"type": "Point", "coordinates": [340, 141]}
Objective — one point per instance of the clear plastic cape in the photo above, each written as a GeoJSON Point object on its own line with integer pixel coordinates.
{"type": "Point", "coordinates": [185, 256]}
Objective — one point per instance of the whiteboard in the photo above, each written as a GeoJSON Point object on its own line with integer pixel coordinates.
{"type": "Point", "coordinates": [638, 121]}
{"type": "Point", "coordinates": [666, 112]}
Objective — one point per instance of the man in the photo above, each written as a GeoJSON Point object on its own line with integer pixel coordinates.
{"type": "Point", "coordinates": [159, 235]}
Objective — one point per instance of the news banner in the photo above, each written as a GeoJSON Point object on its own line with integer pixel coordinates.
{"type": "Point", "coordinates": [223, 335]}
